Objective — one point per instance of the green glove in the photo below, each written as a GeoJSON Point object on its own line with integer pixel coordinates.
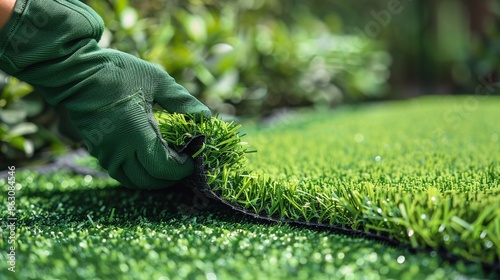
{"type": "Point", "coordinates": [52, 44]}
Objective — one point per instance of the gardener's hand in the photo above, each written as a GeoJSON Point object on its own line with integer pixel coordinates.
{"type": "Point", "coordinates": [122, 133]}
{"type": "Point", "coordinates": [109, 94]}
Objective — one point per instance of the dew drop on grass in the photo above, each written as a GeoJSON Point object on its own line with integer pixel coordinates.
{"type": "Point", "coordinates": [483, 234]}
{"type": "Point", "coordinates": [423, 216]}
{"type": "Point", "coordinates": [401, 259]}
{"type": "Point", "coordinates": [410, 233]}
{"type": "Point", "coordinates": [340, 256]}
{"type": "Point", "coordinates": [488, 244]}
{"type": "Point", "coordinates": [378, 158]}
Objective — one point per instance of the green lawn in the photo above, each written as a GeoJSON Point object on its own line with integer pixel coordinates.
{"type": "Point", "coordinates": [424, 172]}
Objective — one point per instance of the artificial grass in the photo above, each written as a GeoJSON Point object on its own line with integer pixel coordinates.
{"type": "Point", "coordinates": [223, 146]}
{"type": "Point", "coordinates": [425, 173]}
{"type": "Point", "coordinates": [88, 228]}
{"type": "Point", "coordinates": [79, 227]}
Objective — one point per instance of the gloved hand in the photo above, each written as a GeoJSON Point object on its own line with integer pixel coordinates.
{"type": "Point", "coordinates": [52, 44]}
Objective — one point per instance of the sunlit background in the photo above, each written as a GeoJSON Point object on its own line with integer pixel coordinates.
{"type": "Point", "coordinates": [251, 57]}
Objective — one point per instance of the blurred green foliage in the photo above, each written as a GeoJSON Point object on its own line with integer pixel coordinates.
{"type": "Point", "coordinates": [26, 125]}
{"type": "Point", "coordinates": [13, 126]}
{"type": "Point", "coordinates": [248, 57]}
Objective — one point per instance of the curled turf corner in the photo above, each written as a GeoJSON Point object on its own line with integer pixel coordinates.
{"type": "Point", "coordinates": [222, 147]}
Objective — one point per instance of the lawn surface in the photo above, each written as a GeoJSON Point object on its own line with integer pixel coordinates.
{"type": "Point", "coordinates": [437, 155]}
{"type": "Point", "coordinates": [424, 172]}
